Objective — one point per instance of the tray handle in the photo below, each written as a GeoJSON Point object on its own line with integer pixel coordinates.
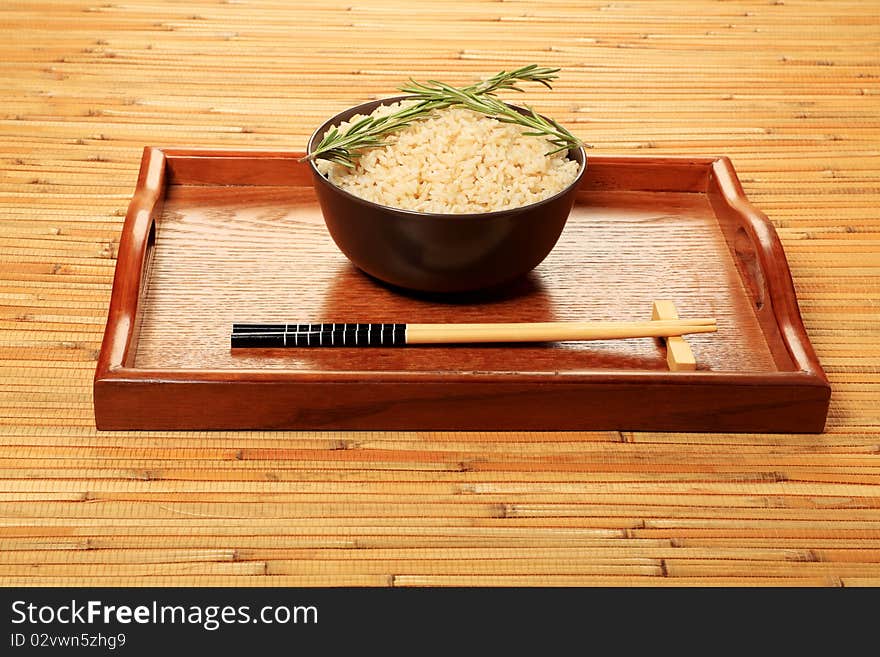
{"type": "Point", "coordinates": [138, 234]}
{"type": "Point", "coordinates": [759, 255]}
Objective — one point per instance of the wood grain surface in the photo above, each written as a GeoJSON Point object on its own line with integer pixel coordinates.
{"type": "Point", "coordinates": [788, 90]}
{"type": "Point", "coordinates": [262, 254]}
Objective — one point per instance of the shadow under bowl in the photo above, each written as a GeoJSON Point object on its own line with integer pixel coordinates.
{"type": "Point", "coordinates": [445, 253]}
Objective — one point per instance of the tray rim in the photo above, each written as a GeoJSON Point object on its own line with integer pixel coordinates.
{"type": "Point", "coordinates": [146, 205]}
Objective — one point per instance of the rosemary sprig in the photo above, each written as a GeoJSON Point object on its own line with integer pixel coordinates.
{"type": "Point", "coordinates": [345, 147]}
{"type": "Point", "coordinates": [507, 80]}
{"type": "Point", "coordinates": [490, 105]}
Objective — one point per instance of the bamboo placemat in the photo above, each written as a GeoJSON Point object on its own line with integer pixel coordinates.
{"type": "Point", "coordinates": [787, 89]}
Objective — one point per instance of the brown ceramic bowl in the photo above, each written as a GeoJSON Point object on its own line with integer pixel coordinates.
{"type": "Point", "coordinates": [433, 252]}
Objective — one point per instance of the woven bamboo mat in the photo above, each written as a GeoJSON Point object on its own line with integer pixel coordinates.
{"type": "Point", "coordinates": [787, 89]}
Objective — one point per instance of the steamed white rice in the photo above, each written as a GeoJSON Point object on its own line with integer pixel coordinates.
{"type": "Point", "coordinates": [457, 161]}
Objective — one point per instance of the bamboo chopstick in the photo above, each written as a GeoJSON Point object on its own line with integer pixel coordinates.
{"type": "Point", "coordinates": [398, 335]}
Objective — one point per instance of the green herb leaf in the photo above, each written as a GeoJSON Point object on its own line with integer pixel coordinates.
{"type": "Point", "coordinates": [345, 147]}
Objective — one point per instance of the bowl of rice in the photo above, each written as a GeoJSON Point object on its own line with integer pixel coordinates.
{"type": "Point", "coordinates": [456, 202]}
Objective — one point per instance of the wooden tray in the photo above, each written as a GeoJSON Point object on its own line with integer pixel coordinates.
{"type": "Point", "coordinates": [215, 237]}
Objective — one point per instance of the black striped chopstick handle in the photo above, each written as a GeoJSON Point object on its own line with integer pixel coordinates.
{"type": "Point", "coordinates": [317, 335]}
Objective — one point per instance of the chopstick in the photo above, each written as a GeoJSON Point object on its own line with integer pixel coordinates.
{"type": "Point", "coordinates": [398, 335]}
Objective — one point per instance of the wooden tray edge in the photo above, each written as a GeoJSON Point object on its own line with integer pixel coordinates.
{"type": "Point", "coordinates": [673, 173]}
{"type": "Point", "coordinates": [773, 265]}
{"type": "Point", "coordinates": [145, 206]}
{"type": "Point", "coordinates": [406, 406]}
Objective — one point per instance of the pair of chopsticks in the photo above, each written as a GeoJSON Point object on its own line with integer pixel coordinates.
{"type": "Point", "coordinates": [397, 335]}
